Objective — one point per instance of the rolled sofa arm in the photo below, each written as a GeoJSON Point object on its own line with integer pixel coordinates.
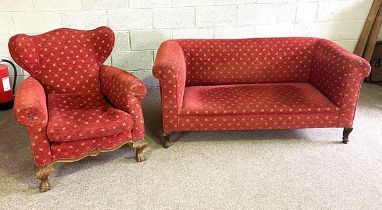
{"type": "Point", "coordinates": [125, 92]}
{"type": "Point", "coordinates": [170, 69]}
{"type": "Point", "coordinates": [338, 74]}
{"type": "Point", "coordinates": [30, 109]}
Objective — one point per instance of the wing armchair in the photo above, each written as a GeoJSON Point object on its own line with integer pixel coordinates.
{"type": "Point", "coordinates": [261, 83]}
{"type": "Point", "coordinates": [72, 105]}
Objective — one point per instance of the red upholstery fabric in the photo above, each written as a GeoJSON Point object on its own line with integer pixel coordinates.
{"type": "Point", "coordinates": [270, 98]}
{"type": "Point", "coordinates": [81, 148]}
{"type": "Point", "coordinates": [125, 92]}
{"type": "Point", "coordinates": [339, 75]}
{"type": "Point", "coordinates": [200, 79]}
{"type": "Point", "coordinates": [30, 104]}
{"type": "Point", "coordinates": [64, 60]}
{"type": "Point", "coordinates": [170, 69]}
{"type": "Point", "coordinates": [40, 145]}
{"type": "Point", "coordinates": [79, 117]}
{"type": "Point", "coordinates": [64, 65]}
{"type": "Point", "coordinates": [30, 110]}
{"type": "Point", "coordinates": [247, 61]}
{"type": "Point", "coordinates": [256, 121]}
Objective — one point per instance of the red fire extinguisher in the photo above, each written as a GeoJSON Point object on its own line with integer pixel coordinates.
{"type": "Point", "coordinates": [6, 93]}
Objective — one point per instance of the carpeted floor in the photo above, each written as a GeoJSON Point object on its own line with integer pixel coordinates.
{"type": "Point", "coordinates": [288, 169]}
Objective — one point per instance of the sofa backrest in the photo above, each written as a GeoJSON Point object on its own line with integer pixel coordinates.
{"type": "Point", "coordinates": [254, 60]}
{"type": "Point", "coordinates": [64, 60]}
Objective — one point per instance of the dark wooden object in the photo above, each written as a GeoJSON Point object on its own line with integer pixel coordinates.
{"type": "Point", "coordinates": [345, 138]}
{"type": "Point", "coordinates": [373, 36]}
{"type": "Point", "coordinates": [369, 24]}
{"type": "Point", "coordinates": [166, 140]}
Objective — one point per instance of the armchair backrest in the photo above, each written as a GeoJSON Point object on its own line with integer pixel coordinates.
{"type": "Point", "coordinates": [64, 60]}
{"type": "Point", "coordinates": [254, 60]}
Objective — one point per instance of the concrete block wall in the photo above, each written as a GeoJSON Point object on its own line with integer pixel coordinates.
{"type": "Point", "coordinates": [141, 25]}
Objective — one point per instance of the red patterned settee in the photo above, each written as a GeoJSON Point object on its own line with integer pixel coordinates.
{"type": "Point", "coordinates": [259, 83]}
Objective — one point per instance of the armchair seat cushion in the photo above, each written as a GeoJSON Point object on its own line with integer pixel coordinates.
{"type": "Point", "coordinates": [266, 98]}
{"type": "Point", "coordinates": [78, 117]}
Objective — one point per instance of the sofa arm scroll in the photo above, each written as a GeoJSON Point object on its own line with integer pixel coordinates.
{"type": "Point", "coordinates": [338, 74]}
{"type": "Point", "coordinates": [170, 69]}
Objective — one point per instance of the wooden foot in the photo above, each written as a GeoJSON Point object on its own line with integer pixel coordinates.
{"type": "Point", "coordinates": [345, 137]}
{"type": "Point", "coordinates": [42, 173]}
{"type": "Point", "coordinates": [139, 146]}
{"type": "Point", "coordinates": [166, 140]}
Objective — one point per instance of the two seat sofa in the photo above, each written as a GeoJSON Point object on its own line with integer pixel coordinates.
{"type": "Point", "coordinates": [258, 83]}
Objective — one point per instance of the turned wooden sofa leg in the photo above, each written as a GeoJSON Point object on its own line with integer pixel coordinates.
{"type": "Point", "coordinates": [166, 139]}
{"type": "Point", "coordinates": [139, 146]}
{"type": "Point", "coordinates": [42, 173]}
{"type": "Point", "coordinates": [345, 137]}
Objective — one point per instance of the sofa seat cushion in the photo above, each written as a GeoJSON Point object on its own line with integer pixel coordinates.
{"type": "Point", "coordinates": [79, 117]}
{"type": "Point", "coordinates": [268, 98]}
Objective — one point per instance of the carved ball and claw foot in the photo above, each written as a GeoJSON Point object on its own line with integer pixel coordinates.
{"type": "Point", "coordinates": [166, 140]}
{"type": "Point", "coordinates": [139, 146]}
{"type": "Point", "coordinates": [42, 173]}
{"type": "Point", "coordinates": [345, 138]}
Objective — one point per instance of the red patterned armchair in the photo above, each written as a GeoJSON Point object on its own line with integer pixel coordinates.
{"type": "Point", "coordinates": [72, 105]}
{"type": "Point", "coordinates": [264, 83]}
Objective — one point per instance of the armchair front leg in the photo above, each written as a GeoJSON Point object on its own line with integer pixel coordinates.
{"type": "Point", "coordinates": [139, 146]}
{"type": "Point", "coordinates": [42, 173]}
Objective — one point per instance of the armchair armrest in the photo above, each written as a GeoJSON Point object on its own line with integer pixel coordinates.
{"type": "Point", "coordinates": [30, 110]}
{"type": "Point", "coordinates": [338, 74]}
{"type": "Point", "coordinates": [30, 107]}
{"type": "Point", "coordinates": [125, 92]}
{"type": "Point", "coordinates": [170, 69]}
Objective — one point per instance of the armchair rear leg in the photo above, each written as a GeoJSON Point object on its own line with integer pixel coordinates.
{"type": "Point", "coordinates": [345, 138]}
{"type": "Point", "coordinates": [139, 146]}
{"type": "Point", "coordinates": [166, 139]}
{"type": "Point", "coordinates": [42, 173]}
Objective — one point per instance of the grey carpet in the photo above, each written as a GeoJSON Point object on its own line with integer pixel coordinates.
{"type": "Point", "coordinates": [285, 169]}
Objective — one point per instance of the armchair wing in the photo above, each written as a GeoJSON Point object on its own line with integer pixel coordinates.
{"type": "Point", "coordinates": [170, 69]}
{"type": "Point", "coordinates": [103, 39]}
{"type": "Point", "coordinates": [30, 109]}
{"type": "Point", "coordinates": [125, 92]}
{"type": "Point", "coordinates": [339, 74]}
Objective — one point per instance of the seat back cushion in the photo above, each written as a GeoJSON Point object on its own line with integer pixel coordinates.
{"type": "Point", "coordinates": [239, 61]}
{"type": "Point", "coordinates": [64, 60]}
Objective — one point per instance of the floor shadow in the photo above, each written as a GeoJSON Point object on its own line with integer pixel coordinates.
{"type": "Point", "coordinates": [152, 111]}
{"type": "Point", "coordinates": [16, 162]}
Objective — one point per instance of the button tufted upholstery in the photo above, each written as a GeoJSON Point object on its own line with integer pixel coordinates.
{"type": "Point", "coordinates": [72, 104]}
{"type": "Point", "coordinates": [264, 83]}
